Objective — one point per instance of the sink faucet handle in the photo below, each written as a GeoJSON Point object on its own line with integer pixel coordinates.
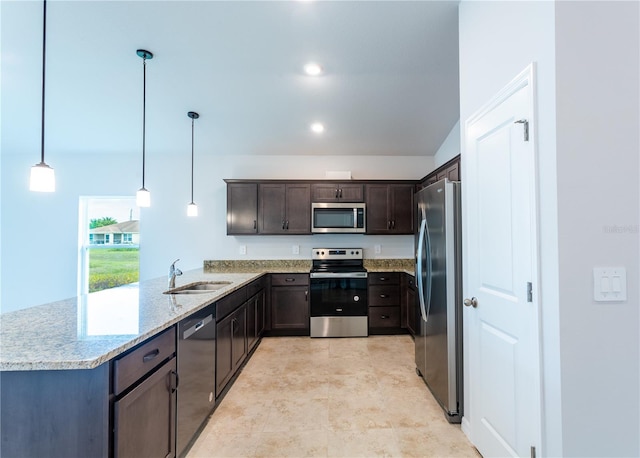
{"type": "Point", "coordinates": [173, 264]}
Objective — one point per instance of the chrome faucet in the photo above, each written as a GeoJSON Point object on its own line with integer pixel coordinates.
{"type": "Point", "coordinates": [173, 273]}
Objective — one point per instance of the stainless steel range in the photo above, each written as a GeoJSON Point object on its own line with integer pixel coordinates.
{"type": "Point", "coordinates": [338, 300]}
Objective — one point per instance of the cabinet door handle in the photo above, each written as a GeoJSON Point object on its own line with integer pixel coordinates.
{"type": "Point", "coordinates": [255, 224]}
{"type": "Point", "coordinates": [174, 377]}
{"type": "Point", "coordinates": [306, 296]}
{"type": "Point", "coordinates": [383, 278]}
{"type": "Point", "coordinates": [289, 279]}
{"type": "Point", "coordinates": [384, 317]}
{"type": "Point", "coordinates": [384, 296]}
{"type": "Point", "coordinates": [287, 224]}
{"type": "Point", "coordinates": [151, 355]}
{"type": "Point", "coordinates": [283, 224]}
{"type": "Point", "coordinates": [337, 193]}
{"type": "Point", "coordinates": [341, 193]}
{"type": "Point", "coordinates": [389, 224]}
{"type": "Point", "coordinates": [393, 224]}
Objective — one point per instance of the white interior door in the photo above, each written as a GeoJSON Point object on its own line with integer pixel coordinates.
{"type": "Point", "coordinates": [500, 263]}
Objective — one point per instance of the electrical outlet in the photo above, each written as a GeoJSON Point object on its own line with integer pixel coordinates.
{"type": "Point", "coordinates": [376, 249]}
{"type": "Point", "coordinates": [243, 249]}
{"type": "Point", "coordinates": [295, 249]}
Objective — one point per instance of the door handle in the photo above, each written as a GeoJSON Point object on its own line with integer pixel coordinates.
{"type": "Point", "coordinates": [473, 302]}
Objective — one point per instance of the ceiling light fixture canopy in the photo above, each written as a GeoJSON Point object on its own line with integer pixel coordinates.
{"type": "Point", "coordinates": [143, 196]}
{"type": "Point", "coordinates": [42, 178]}
{"type": "Point", "coordinates": [192, 208]}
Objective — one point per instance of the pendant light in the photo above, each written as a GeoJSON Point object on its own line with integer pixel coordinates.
{"type": "Point", "coordinates": [42, 177]}
{"type": "Point", "coordinates": [192, 208]}
{"type": "Point", "coordinates": [143, 196]}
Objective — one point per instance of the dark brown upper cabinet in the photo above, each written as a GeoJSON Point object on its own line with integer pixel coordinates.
{"type": "Point", "coordinates": [337, 192]}
{"type": "Point", "coordinates": [450, 170]}
{"type": "Point", "coordinates": [242, 208]}
{"type": "Point", "coordinates": [389, 208]}
{"type": "Point", "coordinates": [284, 208]}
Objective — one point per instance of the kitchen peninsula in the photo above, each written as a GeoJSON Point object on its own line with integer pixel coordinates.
{"type": "Point", "coordinates": [71, 368]}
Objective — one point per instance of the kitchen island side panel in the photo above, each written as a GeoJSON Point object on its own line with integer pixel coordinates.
{"type": "Point", "coordinates": [62, 413]}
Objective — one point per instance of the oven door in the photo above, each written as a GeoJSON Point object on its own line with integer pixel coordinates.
{"type": "Point", "coordinates": [338, 294]}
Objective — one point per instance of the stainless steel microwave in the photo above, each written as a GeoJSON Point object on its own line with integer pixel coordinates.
{"type": "Point", "coordinates": [341, 218]}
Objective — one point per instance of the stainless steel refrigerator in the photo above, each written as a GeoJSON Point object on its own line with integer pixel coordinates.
{"type": "Point", "coordinates": [439, 283]}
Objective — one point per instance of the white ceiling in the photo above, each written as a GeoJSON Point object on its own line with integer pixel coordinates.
{"type": "Point", "coordinates": [390, 87]}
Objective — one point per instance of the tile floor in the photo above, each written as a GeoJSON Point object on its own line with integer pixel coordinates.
{"type": "Point", "coordinates": [358, 397]}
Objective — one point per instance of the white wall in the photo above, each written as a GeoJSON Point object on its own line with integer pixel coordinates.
{"type": "Point", "coordinates": [497, 41]}
{"type": "Point", "coordinates": [450, 147]}
{"type": "Point", "coordinates": [588, 175]}
{"type": "Point", "coordinates": [40, 245]}
{"type": "Point", "coordinates": [598, 116]}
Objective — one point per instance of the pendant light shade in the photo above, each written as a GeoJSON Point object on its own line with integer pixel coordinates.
{"type": "Point", "coordinates": [42, 177]}
{"type": "Point", "coordinates": [192, 208]}
{"type": "Point", "coordinates": [143, 196]}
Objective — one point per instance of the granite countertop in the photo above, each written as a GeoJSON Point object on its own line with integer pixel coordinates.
{"type": "Point", "coordinates": [86, 331]}
{"type": "Point", "coordinates": [302, 266]}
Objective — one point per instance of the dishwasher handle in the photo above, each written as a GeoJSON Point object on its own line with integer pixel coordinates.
{"type": "Point", "coordinates": [196, 327]}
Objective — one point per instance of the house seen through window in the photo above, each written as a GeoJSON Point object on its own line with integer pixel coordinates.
{"type": "Point", "coordinates": [109, 238]}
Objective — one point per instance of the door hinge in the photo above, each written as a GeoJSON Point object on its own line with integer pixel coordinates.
{"type": "Point", "coordinates": [533, 452]}
{"type": "Point", "coordinates": [526, 128]}
{"type": "Point", "coordinates": [529, 292]}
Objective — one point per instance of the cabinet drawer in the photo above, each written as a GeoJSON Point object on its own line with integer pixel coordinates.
{"type": "Point", "coordinates": [384, 317]}
{"type": "Point", "coordinates": [289, 279]}
{"type": "Point", "coordinates": [384, 278]}
{"type": "Point", "coordinates": [229, 303]}
{"type": "Point", "coordinates": [383, 295]}
{"type": "Point", "coordinates": [254, 287]}
{"type": "Point", "coordinates": [143, 359]}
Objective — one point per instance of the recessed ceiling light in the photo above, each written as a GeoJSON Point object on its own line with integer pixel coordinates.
{"type": "Point", "coordinates": [317, 127]}
{"type": "Point", "coordinates": [312, 69]}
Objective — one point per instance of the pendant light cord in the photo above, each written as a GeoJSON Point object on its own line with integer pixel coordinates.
{"type": "Point", "coordinates": [144, 113]}
{"type": "Point", "coordinates": [44, 47]}
{"type": "Point", "coordinates": [192, 121]}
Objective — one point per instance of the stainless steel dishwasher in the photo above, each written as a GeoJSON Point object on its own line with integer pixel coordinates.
{"type": "Point", "coordinates": [196, 372]}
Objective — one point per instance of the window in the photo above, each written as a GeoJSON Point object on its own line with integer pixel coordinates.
{"type": "Point", "coordinates": [108, 254]}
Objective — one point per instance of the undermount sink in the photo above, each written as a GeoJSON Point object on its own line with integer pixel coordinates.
{"type": "Point", "coordinates": [199, 287]}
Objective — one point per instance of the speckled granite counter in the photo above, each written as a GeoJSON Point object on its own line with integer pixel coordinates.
{"type": "Point", "coordinates": [390, 265]}
{"type": "Point", "coordinates": [84, 332]}
{"type": "Point", "coordinates": [259, 265]}
{"type": "Point", "coordinates": [302, 265]}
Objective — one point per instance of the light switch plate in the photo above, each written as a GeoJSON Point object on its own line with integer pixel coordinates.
{"type": "Point", "coordinates": [609, 284]}
{"type": "Point", "coordinates": [243, 249]}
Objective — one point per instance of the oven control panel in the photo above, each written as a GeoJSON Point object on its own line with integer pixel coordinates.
{"type": "Point", "coordinates": [336, 253]}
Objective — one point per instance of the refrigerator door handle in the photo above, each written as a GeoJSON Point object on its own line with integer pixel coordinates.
{"type": "Point", "coordinates": [419, 255]}
{"type": "Point", "coordinates": [427, 244]}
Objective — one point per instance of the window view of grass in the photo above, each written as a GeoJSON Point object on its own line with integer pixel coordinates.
{"type": "Point", "coordinates": [111, 267]}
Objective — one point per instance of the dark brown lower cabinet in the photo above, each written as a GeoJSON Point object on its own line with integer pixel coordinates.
{"type": "Point", "coordinates": [289, 304]}
{"type": "Point", "coordinates": [231, 346]}
{"type": "Point", "coordinates": [384, 303]}
{"type": "Point", "coordinates": [410, 311]}
{"type": "Point", "coordinates": [255, 319]}
{"type": "Point", "coordinates": [144, 419]}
